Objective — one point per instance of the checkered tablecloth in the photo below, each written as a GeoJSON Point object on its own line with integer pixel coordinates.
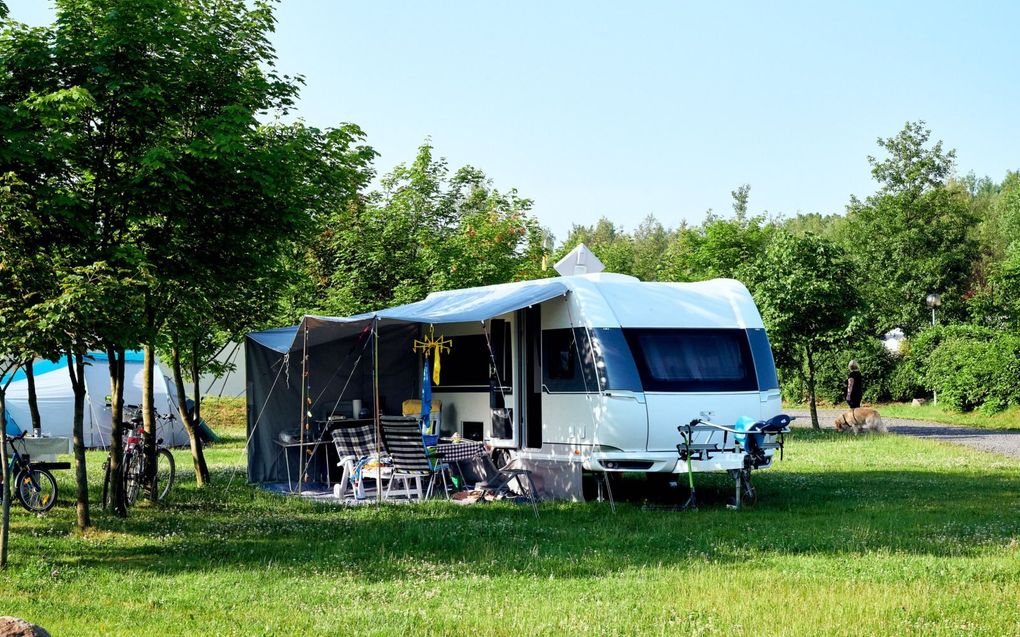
{"type": "Point", "coordinates": [454, 451]}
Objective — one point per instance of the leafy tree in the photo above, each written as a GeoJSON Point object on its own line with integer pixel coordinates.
{"type": "Point", "coordinates": [717, 248]}
{"type": "Point", "coordinates": [651, 240]}
{"type": "Point", "coordinates": [818, 224]}
{"type": "Point", "coordinates": [142, 118]}
{"type": "Point", "coordinates": [740, 198]}
{"type": "Point", "coordinates": [876, 362]}
{"type": "Point", "coordinates": [10, 306]}
{"type": "Point", "coordinates": [913, 236]}
{"type": "Point", "coordinates": [424, 230]}
{"type": "Point", "coordinates": [1006, 208]}
{"type": "Point", "coordinates": [803, 290]}
{"type": "Point", "coordinates": [244, 211]}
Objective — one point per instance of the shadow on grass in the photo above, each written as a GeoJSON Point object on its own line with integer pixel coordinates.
{"type": "Point", "coordinates": [799, 514]}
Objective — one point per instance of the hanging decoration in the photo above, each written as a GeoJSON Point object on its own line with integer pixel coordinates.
{"type": "Point", "coordinates": [434, 346]}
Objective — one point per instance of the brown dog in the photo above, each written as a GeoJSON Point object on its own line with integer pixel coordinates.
{"type": "Point", "coordinates": [860, 419]}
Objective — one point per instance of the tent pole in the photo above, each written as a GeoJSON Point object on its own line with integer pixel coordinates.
{"type": "Point", "coordinates": [304, 388]}
{"type": "Point", "coordinates": [375, 391]}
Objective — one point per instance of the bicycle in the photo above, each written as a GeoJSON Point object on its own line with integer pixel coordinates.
{"type": "Point", "coordinates": [34, 485]}
{"type": "Point", "coordinates": [134, 462]}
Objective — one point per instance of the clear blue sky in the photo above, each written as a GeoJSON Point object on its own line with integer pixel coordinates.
{"type": "Point", "coordinates": [625, 109]}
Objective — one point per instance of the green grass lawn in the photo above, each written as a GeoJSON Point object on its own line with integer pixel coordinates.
{"type": "Point", "coordinates": [1008, 419]}
{"type": "Point", "coordinates": [1004, 420]}
{"type": "Point", "coordinates": [852, 535]}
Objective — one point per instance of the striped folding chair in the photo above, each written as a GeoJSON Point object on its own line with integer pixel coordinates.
{"type": "Point", "coordinates": [354, 445]}
{"type": "Point", "coordinates": [402, 438]}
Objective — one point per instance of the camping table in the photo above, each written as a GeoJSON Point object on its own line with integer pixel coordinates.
{"type": "Point", "coordinates": [42, 449]}
{"type": "Point", "coordinates": [454, 451]}
{"type": "Point", "coordinates": [307, 444]}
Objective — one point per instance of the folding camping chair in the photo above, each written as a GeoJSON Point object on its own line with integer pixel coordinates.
{"type": "Point", "coordinates": [481, 472]}
{"type": "Point", "coordinates": [354, 444]}
{"type": "Point", "coordinates": [403, 440]}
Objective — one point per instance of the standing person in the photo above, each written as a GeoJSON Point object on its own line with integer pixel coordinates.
{"type": "Point", "coordinates": [854, 386]}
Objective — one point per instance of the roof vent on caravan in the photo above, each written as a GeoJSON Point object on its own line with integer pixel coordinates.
{"type": "Point", "coordinates": [580, 260]}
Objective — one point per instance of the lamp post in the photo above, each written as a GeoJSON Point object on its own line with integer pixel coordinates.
{"type": "Point", "coordinates": [933, 300]}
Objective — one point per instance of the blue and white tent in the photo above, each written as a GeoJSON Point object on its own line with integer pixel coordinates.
{"type": "Point", "coordinates": [55, 398]}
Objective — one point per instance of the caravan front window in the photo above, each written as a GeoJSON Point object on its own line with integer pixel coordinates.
{"type": "Point", "coordinates": [693, 360]}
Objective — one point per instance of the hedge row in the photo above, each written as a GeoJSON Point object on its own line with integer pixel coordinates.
{"type": "Point", "coordinates": [970, 367]}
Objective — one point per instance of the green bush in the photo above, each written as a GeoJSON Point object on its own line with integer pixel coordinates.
{"type": "Point", "coordinates": [972, 370]}
{"type": "Point", "coordinates": [792, 386]}
{"type": "Point", "coordinates": [876, 363]}
{"type": "Point", "coordinates": [905, 384]}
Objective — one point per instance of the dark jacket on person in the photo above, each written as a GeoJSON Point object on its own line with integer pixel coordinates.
{"type": "Point", "coordinates": [855, 389]}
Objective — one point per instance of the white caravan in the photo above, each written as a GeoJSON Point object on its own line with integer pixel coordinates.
{"type": "Point", "coordinates": [603, 375]}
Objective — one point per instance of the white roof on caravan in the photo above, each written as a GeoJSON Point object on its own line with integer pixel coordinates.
{"type": "Point", "coordinates": [608, 300]}
{"type": "Point", "coordinates": [595, 300]}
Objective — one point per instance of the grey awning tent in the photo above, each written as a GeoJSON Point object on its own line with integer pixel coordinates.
{"type": "Point", "coordinates": [338, 357]}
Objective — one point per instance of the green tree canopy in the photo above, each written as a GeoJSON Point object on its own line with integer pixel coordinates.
{"type": "Point", "coordinates": [804, 289]}
{"type": "Point", "coordinates": [719, 247]}
{"type": "Point", "coordinates": [425, 230]}
{"type": "Point", "coordinates": [913, 236]}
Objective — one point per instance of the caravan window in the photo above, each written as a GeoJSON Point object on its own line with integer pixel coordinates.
{"type": "Point", "coordinates": [689, 360]}
{"type": "Point", "coordinates": [567, 364]}
{"type": "Point", "coordinates": [764, 364]}
{"type": "Point", "coordinates": [466, 366]}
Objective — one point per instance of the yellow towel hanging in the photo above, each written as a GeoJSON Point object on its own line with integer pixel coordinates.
{"type": "Point", "coordinates": [435, 346]}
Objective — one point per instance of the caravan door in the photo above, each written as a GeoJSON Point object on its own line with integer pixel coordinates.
{"type": "Point", "coordinates": [529, 393]}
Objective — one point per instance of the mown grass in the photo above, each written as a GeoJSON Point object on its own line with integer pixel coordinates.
{"type": "Point", "coordinates": [1008, 419]}
{"type": "Point", "coordinates": [860, 535]}
{"type": "Point", "coordinates": [1004, 420]}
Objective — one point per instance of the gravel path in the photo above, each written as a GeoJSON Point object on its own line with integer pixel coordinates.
{"type": "Point", "coordinates": [1003, 442]}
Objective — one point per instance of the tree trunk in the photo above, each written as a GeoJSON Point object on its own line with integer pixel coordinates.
{"type": "Point", "coordinates": [33, 399]}
{"type": "Point", "coordinates": [76, 369]}
{"type": "Point", "coordinates": [5, 517]}
{"type": "Point", "coordinates": [149, 419]}
{"type": "Point", "coordinates": [190, 419]}
{"type": "Point", "coordinates": [196, 383]}
{"type": "Point", "coordinates": [812, 401]}
{"type": "Point", "coordinates": [115, 359]}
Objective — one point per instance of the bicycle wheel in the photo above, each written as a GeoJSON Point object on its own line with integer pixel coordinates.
{"type": "Point", "coordinates": [165, 472]}
{"type": "Point", "coordinates": [36, 489]}
{"type": "Point", "coordinates": [134, 475]}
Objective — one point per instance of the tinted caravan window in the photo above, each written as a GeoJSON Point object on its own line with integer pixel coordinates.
{"type": "Point", "coordinates": [614, 360]}
{"type": "Point", "coordinates": [567, 361]}
{"type": "Point", "coordinates": [693, 360]}
{"type": "Point", "coordinates": [764, 364]}
{"type": "Point", "coordinates": [465, 366]}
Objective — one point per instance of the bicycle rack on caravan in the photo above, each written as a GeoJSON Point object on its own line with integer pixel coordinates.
{"type": "Point", "coordinates": [748, 437]}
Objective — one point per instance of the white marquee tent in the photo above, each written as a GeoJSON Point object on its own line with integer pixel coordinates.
{"type": "Point", "coordinates": [56, 399]}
